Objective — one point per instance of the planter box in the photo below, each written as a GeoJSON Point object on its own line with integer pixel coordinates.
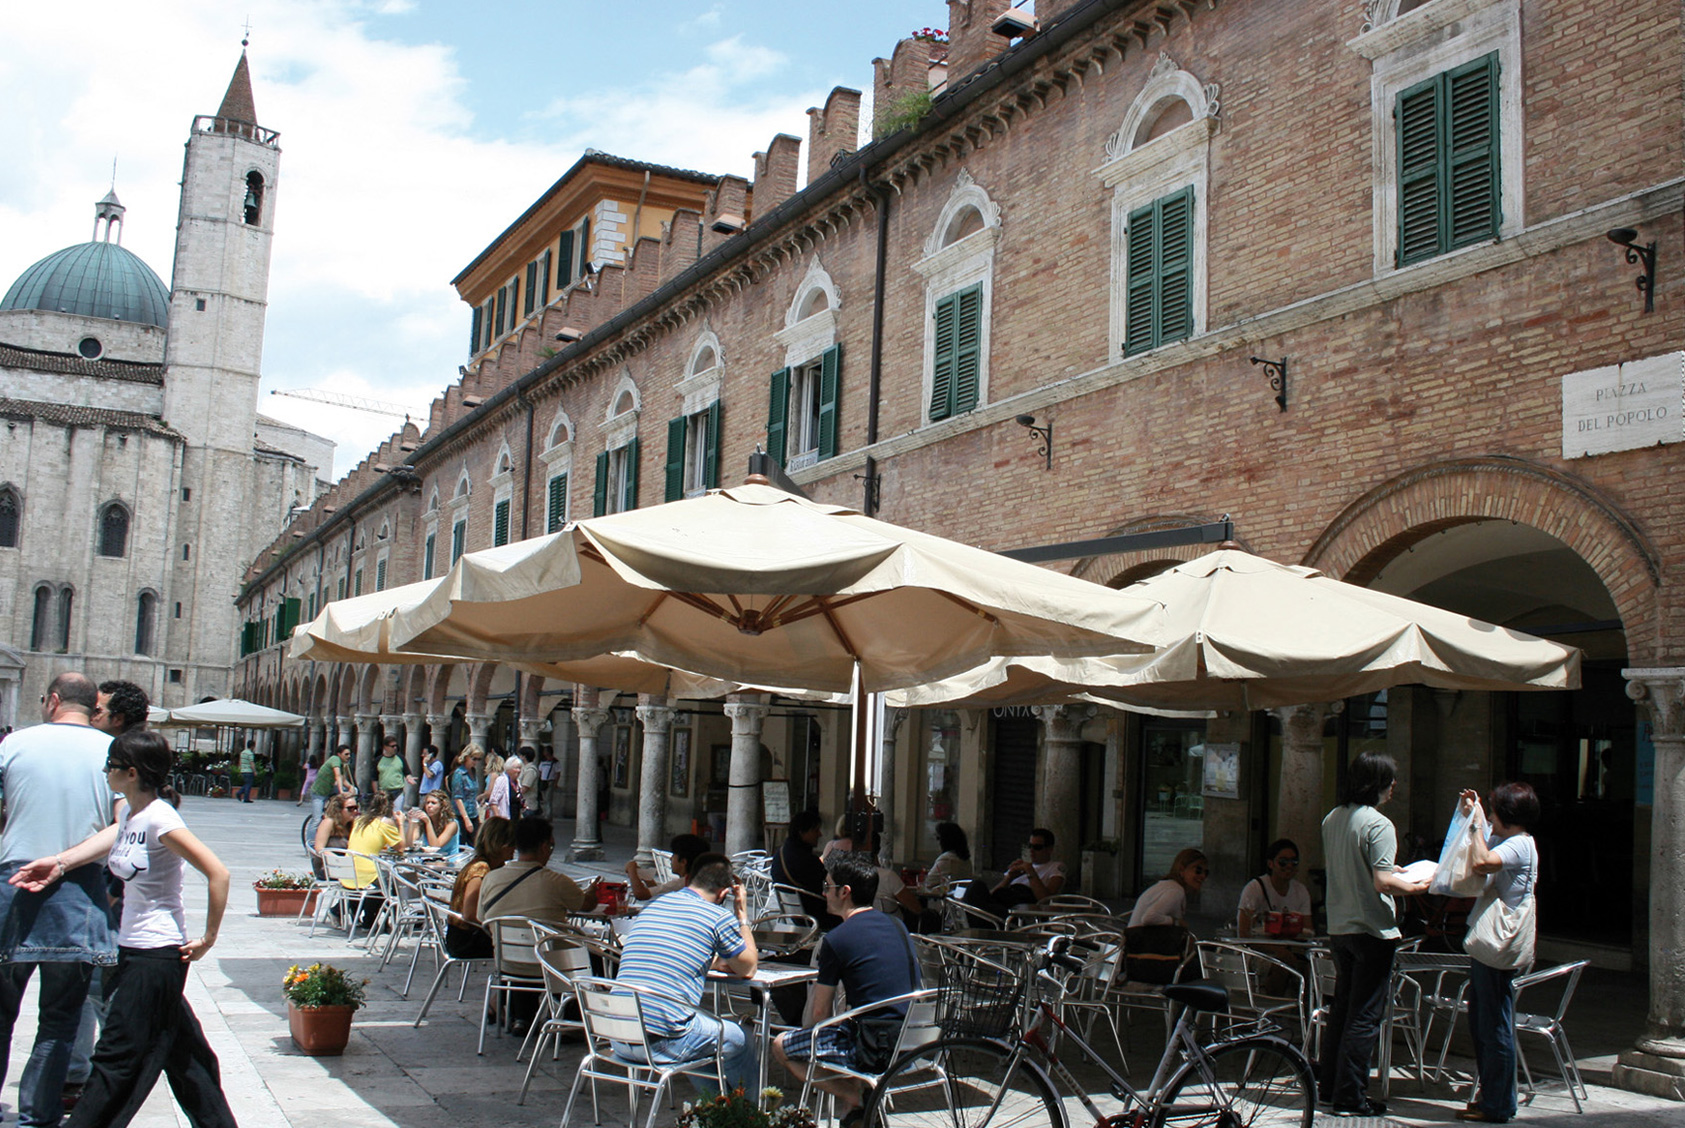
{"type": "Point", "coordinates": [320, 1031]}
{"type": "Point", "coordinates": [285, 902]}
{"type": "Point", "coordinates": [283, 793]}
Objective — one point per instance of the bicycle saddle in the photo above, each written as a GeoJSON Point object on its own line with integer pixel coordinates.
{"type": "Point", "coordinates": [1199, 995]}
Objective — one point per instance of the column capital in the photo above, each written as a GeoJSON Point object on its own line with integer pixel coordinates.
{"type": "Point", "coordinates": [656, 716]}
{"type": "Point", "coordinates": [589, 719]}
{"type": "Point", "coordinates": [342, 721]}
{"type": "Point", "coordinates": [893, 718]}
{"type": "Point", "coordinates": [391, 720]}
{"type": "Point", "coordinates": [478, 718]}
{"type": "Point", "coordinates": [1064, 722]}
{"type": "Point", "coordinates": [414, 720]}
{"type": "Point", "coordinates": [746, 716]}
{"type": "Point", "coordinates": [364, 720]}
{"type": "Point", "coordinates": [1319, 710]}
{"type": "Point", "coordinates": [531, 729]}
{"type": "Point", "coordinates": [438, 720]}
{"type": "Point", "coordinates": [1660, 692]}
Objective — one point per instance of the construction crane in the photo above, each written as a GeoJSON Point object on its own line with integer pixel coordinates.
{"type": "Point", "coordinates": [340, 399]}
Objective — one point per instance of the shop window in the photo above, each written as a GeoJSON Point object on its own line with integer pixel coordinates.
{"type": "Point", "coordinates": [1172, 778]}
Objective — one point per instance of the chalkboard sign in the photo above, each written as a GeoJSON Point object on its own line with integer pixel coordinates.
{"type": "Point", "coordinates": [775, 802]}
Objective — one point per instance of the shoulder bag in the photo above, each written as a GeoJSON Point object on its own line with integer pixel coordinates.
{"type": "Point", "coordinates": [1502, 937]}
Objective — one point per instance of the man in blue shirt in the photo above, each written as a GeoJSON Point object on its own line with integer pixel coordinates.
{"type": "Point", "coordinates": [672, 946]}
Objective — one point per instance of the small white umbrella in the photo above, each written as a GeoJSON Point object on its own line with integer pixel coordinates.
{"type": "Point", "coordinates": [234, 713]}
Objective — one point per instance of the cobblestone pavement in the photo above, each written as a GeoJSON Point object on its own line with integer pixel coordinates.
{"type": "Point", "coordinates": [395, 1074]}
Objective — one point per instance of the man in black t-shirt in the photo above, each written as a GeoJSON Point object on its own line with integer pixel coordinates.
{"type": "Point", "coordinates": [871, 955]}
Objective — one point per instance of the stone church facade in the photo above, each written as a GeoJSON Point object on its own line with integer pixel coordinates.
{"type": "Point", "coordinates": [136, 478]}
{"type": "Point", "coordinates": [1345, 273]}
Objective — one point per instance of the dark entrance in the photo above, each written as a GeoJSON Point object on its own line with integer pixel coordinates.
{"type": "Point", "coordinates": [1012, 807]}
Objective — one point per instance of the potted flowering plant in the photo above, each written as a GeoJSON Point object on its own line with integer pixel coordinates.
{"type": "Point", "coordinates": [280, 893]}
{"type": "Point", "coordinates": [320, 1002]}
{"type": "Point", "coordinates": [736, 1110]}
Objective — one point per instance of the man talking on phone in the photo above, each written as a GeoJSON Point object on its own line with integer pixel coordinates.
{"type": "Point", "coordinates": [674, 943]}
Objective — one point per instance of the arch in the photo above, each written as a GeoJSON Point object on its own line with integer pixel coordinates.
{"type": "Point", "coordinates": [367, 701]}
{"type": "Point", "coordinates": [252, 205]}
{"type": "Point", "coordinates": [705, 355]}
{"type": "Point", "coordinates": [11, 516]}
{"type": "Point", "coordinates": [433, 500]}
{"type": "Point", "coordinates": [439, 684]}
{"type": "Point", "coordinates": [146, 617]}
{"type": "Point", "coordinates": [504, 462]}
{"type": "Point", "coordinates": [561, 430]}
{"type": "Point", "coordinates": [531, 687]}
{"type": "Point", "coordinates": [385, 531]}
{"type": "Point", "coordinates": [1393, 516]}
{"type": "Point", "coordinates": [463, 486]}
{"type": "Point", "coordinates": [479, 685]}
{"type": "Point", "coordinates": [816, 293]}
{"type": "Point", "coordinates": [113, 529]}
{"type": "Point", "coordinates": [345, 696]}
{"type": "Point", "coordinates": [624, 399]}
{"type": "Point", "coordinates": [956, 221]}
{"type": "Point", "coordinates": [1167, 85]}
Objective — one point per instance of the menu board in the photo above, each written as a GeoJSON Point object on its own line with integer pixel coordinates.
{"type": "Point", "coordinates": [775, 802]}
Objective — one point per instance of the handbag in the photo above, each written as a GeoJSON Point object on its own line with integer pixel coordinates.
{"type": "Point", "coordinates": [875, 1038]}
{"type": "Point", "coordinates": [1500, 936]}
{"type": "Point", "coordinates": [1455, 875]}
{"type": "Point", "coordinates": [1154, 953]}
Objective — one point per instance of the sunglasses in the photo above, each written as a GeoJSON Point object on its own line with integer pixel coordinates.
{"type": "Point", "coordinates": [114, 766]}
{"type": "Point", "coordinates": [1287, 861]}
{"type": "Point", "coordinates": [1200, 870]}
{"type": "Point", "coordinates": [1038, 845]}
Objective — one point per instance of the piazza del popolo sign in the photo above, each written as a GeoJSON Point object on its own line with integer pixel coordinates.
{"type": "Point", "coordinates": [1624, 406]}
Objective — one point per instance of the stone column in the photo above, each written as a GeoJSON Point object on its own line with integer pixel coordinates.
{"type": "Point", "coordinates": [532, 731]}
{"type": "Point", "coordinates": [478, 725]}
{"type": "Point", "coordinates": [1059, 778]}
{"type": "Point", "coordinates": [1656, 1065]}
{"type": "Point", "coordinates": [556, 802]}
{"type": "Point", "coordinates": [656, 715]}
{"type": "Point", "coordinates": [365, 751]}
{"type": "Point", "coordinates": [1299, 808]}
{"type": "Point", "coordinates": [343, 733]}
{"type": "Point", "coordinates": [892, 719]}
{"type": "Point", "coordinates": [743, 814]}
{"type": "Point", "coordinates": [587, 844]}
{"type": "Point", "coordinates": [318, 734]}
{"type": "Point", "coordinates": [414, 737]}
{"type": "Point", "coordinates": [438, 725]}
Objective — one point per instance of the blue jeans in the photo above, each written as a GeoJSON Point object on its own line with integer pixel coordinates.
{"type": "Point", "coordinates": [63, 988]}
{"type": "Point", "coordinates": [1492, 1027]}
{"type": "Point", "coordinates": [741, 1062]}
{"type": "Point", "coordinates": [248, 780]}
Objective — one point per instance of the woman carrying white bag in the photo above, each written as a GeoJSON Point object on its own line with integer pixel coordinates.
{"type": "Point", "coordinates": [1502, 925]}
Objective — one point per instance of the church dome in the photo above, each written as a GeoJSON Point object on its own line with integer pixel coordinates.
{"type": "Point", "coordinates": [98, 279]}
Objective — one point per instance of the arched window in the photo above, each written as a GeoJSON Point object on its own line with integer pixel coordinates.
{"type": "Point", "coordinates": [10, 518]}
{"type": "Point", "coordinates": [66, 598]}
{"type": "Point", "coordinates": [42, 623]}
{"type": "Point", "coordinates": [145, 612]}
{"type": "Point", "coordinates": [254, 197]}
{"type": "Point", "coordinates": [114, 530]}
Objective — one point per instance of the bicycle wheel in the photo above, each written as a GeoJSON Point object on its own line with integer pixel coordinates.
{"type": "Point", "coordinates": [964, 1083]}
{"type": "Point", "coordinates": [1254, 1083]}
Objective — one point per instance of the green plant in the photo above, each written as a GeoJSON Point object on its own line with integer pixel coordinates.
{"type": "Point", "coordinates": [286, 778]}
{"type": "Point", "coordinates": [281, 879]}
{"type": "Point", "coordinates": [322, 985]}
{"type": "Point", "coordinates": [736, 1110]}
{"type": "Point", "coordinates": [904, 112]}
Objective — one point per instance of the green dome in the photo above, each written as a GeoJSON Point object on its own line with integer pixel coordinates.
{"type": "Point", "coordinates": [92, 280]}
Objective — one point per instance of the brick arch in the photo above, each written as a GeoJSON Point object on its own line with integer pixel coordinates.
{"type": "Point", "coordinates": [1397, 514]}
{"type": "Point", "coordinates": [345, 698]}
{"type": "Point", "coordinates": [532, 685]}
{"type": "Point", "coordinates": [367, 701]}
{"type": "Point", "coordinates": [413, 689]}
{"type": "Point", "coordinates": [1117, 568]}
{"type": "Point", "coordinates": [438, 686]}
{"type": "Point", "coordinates": [479, 684]}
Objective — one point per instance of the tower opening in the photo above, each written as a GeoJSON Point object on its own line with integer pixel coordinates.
{"type": "Point", "coordinates": [254, 197]}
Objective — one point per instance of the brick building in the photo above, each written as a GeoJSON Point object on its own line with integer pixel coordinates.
{"type": "Point", "coordinates": [1105, 224]}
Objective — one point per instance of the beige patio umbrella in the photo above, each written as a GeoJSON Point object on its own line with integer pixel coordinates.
{"type": "Point", "coordinates": [232, 712]}
{"type": "Point", "coordinates": [754, 585]}
{"type": "Point", "coordinates": [357, 630]}
{"type": "Point", "coordinates": [1248, 633]}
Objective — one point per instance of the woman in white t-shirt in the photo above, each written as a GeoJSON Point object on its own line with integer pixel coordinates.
{"type": "Point", "coordinates": [1167, 901]}
{"type": "Point", "coordinates": [149, 1028]}
{"type": "Point", "coordinates": [1277, 891]}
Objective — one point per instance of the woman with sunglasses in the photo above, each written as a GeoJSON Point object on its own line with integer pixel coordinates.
{"type": "Point", "coordinates": [1277, 891]}
{"type": "Point", "coordinates": [334, 831]}
{"type": "Point", "coordinates": [149, 1028]}
{"type": "Point", "coordinates": [1167, 902]}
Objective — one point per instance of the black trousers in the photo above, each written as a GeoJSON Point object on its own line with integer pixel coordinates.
{"type": "Point", "coordinates": [149, 1030]}
{"type": "Point", "coordinates": [1362, 990]}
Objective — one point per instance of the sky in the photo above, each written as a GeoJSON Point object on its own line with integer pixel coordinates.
{"type": "Point", "coordinates": [412, 132]}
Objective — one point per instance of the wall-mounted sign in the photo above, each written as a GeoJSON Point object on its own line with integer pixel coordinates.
{"type": "Point", "coordinates": [1624, 406]}
{"type": "Point", "coordinates": [1222, 771]}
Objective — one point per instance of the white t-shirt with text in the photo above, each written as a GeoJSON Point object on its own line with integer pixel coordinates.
{"type": "Point", "coordinates": [153, 916]}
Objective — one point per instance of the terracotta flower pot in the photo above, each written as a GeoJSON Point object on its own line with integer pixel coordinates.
{"type": "Point", "coordinates": [284, 902]}
{"type": "Point", "coordinates": [320, 1031]}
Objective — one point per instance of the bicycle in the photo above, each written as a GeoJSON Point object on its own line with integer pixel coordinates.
{"type": "Point", "coordinates": [1247, 1078]}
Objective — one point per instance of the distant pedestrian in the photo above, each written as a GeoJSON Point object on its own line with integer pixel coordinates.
{"type": "Point", "coordinates": [248, 772]}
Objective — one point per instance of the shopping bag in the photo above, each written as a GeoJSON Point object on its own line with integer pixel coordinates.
{"type": "Point", "coordinates": [1455, 875]}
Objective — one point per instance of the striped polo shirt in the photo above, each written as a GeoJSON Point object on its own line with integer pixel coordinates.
{"type": "Point", "coordinates": [669, 948]}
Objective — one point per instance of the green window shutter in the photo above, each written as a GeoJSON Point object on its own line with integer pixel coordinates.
{"type": "Point", "coordinates": [1138, 300]}
{"type": "Point", "coordinates": [1176, 266]}
{"type": "Point", "coordinates": [942, 363]}
{"type": "Point", "coordinates": [500, 523]}
{"type": "Point", "coordinates": [291, 608]}
{"type": "Point", "coordinates": [514, 301]}
{"type": "Point", "coordinates": [711, 452]}
{"type": "Point", "coordinates": [584, 245]}
{"type": "Point", "coordinates": [564, 260]}
{"type": "Point", "coordinates": [544, 278]}
{"type": "Point", "coordinates": [459, 540]}
{"type": "Point", "coordinates": [380, 575]}
{"type": "Point", "coordinates": [631, 499]}
{"type": "Point", "coordinates": [968, 340]}
{"type": "Point", "coordinates": [777, 414]}
{"type": "Point", "coordinates": [357, 583]}
{"type": "Point", "coordinates": [675, 458]}
{"type": "Point", "coordinates": [556, 509]}
{"type": "Point", "coordinates": [1416, 119]}
{"type": "Point", "coordinates": [532, 287]}
{"type": "Point", "coordinates": [830, 371]}
{"type": "Point", "coordinates": [1472, 136]}
{"type": "Point", "coordinates": [599, 493]}
{"type": "Point", "coordinates": [312, 605]}
{"type": "Point", "coordinates": [427, 557]}
{"type": "Point", "coordinates": [473, 330]}
{"type": "Point", "coordinates": [502, 308]}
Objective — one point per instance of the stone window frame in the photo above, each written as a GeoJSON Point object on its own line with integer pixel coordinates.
{"type": "Point", "coordinates": [951, 266]}
{"type": "Point", "coordinates": [1404, 50]}
{"type": "Point", "coordinates": [502, 484]}
{"type": "Point", "coordinates": [1138, 172]}
{"type": "Point", "coordinates": [115, 505]}
{"type": "Point", "coordinates": [699, 388]}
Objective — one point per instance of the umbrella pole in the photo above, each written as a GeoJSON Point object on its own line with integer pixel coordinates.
{"type": "Point", "coordinates": [862, 802]}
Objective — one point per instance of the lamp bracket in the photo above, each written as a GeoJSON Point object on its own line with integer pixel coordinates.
{"type": "Point", "coordinates": [1276, 370]}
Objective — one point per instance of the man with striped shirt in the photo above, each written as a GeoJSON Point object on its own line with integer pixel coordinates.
{"type": "Point", "coordinates": [671, 947]}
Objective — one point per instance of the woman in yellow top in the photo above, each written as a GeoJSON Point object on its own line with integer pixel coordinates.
{"type": "Point", "coordinates": [375, 830]}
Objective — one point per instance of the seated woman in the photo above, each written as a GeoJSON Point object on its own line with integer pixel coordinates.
{"type": "Point", "coordinates": [333, 831]}
{"type": "Point", "coordinates": [375, 830]}
{"type": "Point", "coordinates": [842, 841]}
{"type": "Point", "coordinates": [1167, 901]}
{"type": "Point", "coordinates": [433, 820]}
{"type": "Point", "coordinates": [493, 846]}
{"type": "Point", "coordinates": [953, 863]}
{"type": "Point", "coordinates": [1277, 891]}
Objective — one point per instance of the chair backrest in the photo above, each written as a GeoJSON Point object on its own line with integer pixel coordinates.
{"type": "Point", "coordinates": [611, 1012]}
{"type": "Point", "coordinates": [1322, 975]}
{"type": "Point", "coordinates": [789, 899]}
{"type": "Point", "coordinates": [786, 933]}
{"type": "Point", "coordinates": [563, 959]}
{"type": "Point", "coordinates": [1227, 966]}
{"type": "Point", "coordinates": [336, 864]}
{"type": "Point", "coordinates": [922, 1026]}
{"type": "Point", "coordinates": [1075, 901]}
{"type": "Point", "coordinates": [662, 860]}
{"type": "Point", "coordinates": [513, 940]}
{"type": "Point", "coordinates": [1567, 974]}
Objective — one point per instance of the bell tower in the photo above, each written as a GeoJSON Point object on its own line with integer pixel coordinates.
{"type": "Point", "coordinates": [219, 294]}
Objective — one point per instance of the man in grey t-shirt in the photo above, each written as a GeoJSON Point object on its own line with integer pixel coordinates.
{"type": "Point", "coordinates": [56, 795]}
{"type": "Point", "coordinates": [1361, 848]}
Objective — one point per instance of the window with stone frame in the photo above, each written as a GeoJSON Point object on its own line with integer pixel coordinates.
{"type": "Point", "coordinates": [958, 268]}
{"type": "Point", "coordinates": [693, 453]}
{"type": "Point", "coordinates": [146, 614]}
{"type": "Point", "coordinates": [11, 518]}
{"type": "Point", "coordinates": [802, 419]}
{"type": "Point", "coordinates": [616, 488]}
{"type": "Point", "coordinates": [61, 624]}
{"type": "Point", "coordinates": [1159, 278]}
{"type": "Point", "coordinates": [114, 530]}
{"type": "Point", "coordinates": [1448, 175]}
{"type": "Point", "coordinates": [41, 621]}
